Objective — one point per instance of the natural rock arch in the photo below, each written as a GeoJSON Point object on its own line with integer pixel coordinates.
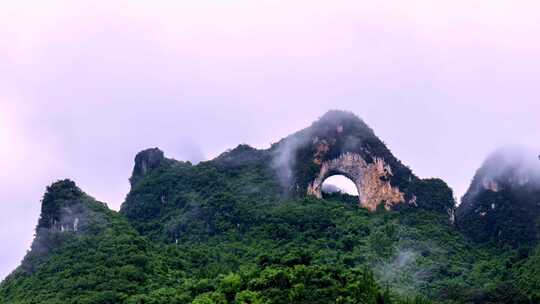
{"type": "Point", "coordinates": [371, 180]}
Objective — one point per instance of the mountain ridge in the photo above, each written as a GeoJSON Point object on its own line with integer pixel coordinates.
{"type": "Point", "coordinates": [253, 226]}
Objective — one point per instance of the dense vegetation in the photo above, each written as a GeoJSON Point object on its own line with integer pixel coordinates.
{"type": "Point", "coordinates": [224, 231]}
{"type": "Point", "coordinates": [295, 251]}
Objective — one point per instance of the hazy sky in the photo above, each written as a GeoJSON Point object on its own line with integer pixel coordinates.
{"type": "Point", "coordinates": [85, 85]}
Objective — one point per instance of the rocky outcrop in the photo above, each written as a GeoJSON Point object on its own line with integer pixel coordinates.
{"type": "Point", "coordinates": [371, 180]}
{"type": "Point", "coordinates": [61, 208]}
{"type": "Point", "coordinates": [65, 211]}
{"type": "Point", "coordinates": [66, 208]}
{"type": "Point", "coordinates": [146, 161]}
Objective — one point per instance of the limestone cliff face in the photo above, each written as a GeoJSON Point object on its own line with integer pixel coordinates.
{"type": "Point", "coordinates": [371, 180]}
{"type": "Point", "coordinates": [65, 211]}
{"type": "Point", "coordinates": [66, 208]}
{"type": "Point", "coordinates": [68, 219]}
{"type": "Point", "coordinates": [62, 208]}
{"type": "Point", "coordinates": [340, 143]}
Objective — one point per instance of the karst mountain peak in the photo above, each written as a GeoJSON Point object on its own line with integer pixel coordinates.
{"type": "Point", "coordinates": [256, 226]}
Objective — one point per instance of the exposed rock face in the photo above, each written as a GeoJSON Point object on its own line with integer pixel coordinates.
{"type": "Point", "coordinates": [490, 185]}
{"type": "Point", "coordinates": [144, 162]}
{"type": "Point", "coordinates": [341, 143]}
{"type": "Point", "coordinates": [371, 180]}
{"type": "Point", "coordinates": [68, 220]}
{"type": "Point", "coordinates": [65, 209]}
{"type": "Point", "coordinates": [338, 143]}
{"type": "Point", "coordinates": [61, 209]}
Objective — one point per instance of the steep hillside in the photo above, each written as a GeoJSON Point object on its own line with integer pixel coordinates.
{"type": "Point", "coordinates": [254, 226]}
{"type": "Point", "coordinates": [502, 204]}
{"type": "Point", "coordinates": [82, 253]}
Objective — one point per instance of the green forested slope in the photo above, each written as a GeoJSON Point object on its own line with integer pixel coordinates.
{"type": "Point", "coordinates": [225, 231]}
{"type": "Point", "coordinates": [292, 251]}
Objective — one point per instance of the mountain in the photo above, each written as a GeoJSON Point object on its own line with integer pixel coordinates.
{"type": "Point", "coordinates": [502, 205]}
{"type": "Point", "coordinates": [82, 253]}
{"type": "Point", "coordinates": [341, 143]}
{"type": "Point", "coordinates": [255, 226]}
{"type": "Point", "coordinates": [168, 197]}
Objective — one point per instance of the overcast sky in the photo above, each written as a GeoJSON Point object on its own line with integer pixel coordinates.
{"type": "Point", "coordinates": [85, 85]}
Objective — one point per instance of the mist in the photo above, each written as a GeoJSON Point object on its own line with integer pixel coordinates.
{"type": "Point", "coordinates": [284, 157]}
{"type": "Point", "coordinates": [507, 165]}
{"type": "Point", "coordinates": [84, 86]}
{"type": "Point", "coordinates": [406, 265]}
{"type": "Point", "coordinates": [517, 161]}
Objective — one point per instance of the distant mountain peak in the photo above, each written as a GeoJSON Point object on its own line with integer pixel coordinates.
{"type": "Point", "coordinates": [502, 203]}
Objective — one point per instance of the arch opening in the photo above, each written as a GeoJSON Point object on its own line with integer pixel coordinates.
{"type": "Point", "coordinates": [339, 184]}
{"type": "Point", "coordinates": [371, 180]}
